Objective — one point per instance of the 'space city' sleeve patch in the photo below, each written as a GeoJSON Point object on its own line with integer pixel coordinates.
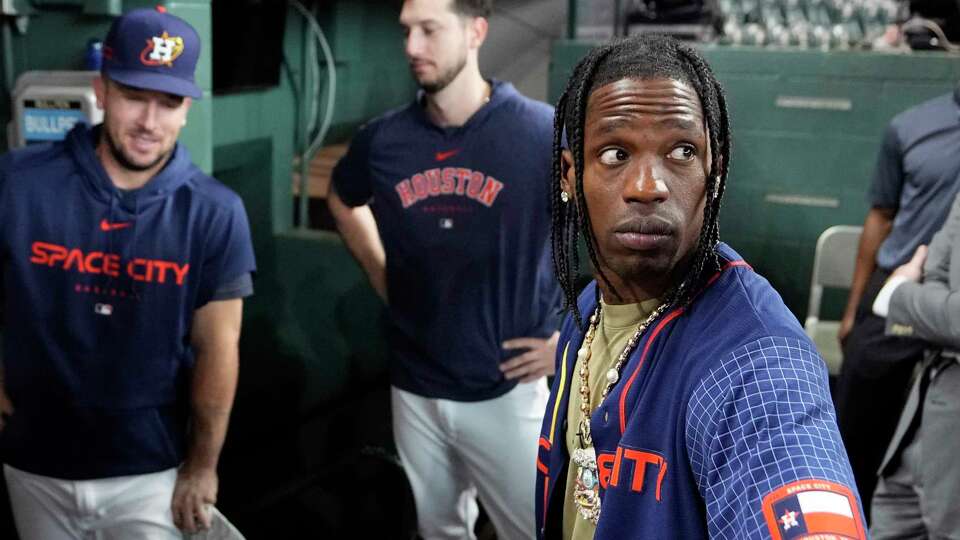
{"type": "Point", "coordinates": [813, 509]}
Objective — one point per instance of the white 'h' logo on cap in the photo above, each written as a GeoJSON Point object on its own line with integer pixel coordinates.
{"type": "Point", "coordinates": [163, 49]}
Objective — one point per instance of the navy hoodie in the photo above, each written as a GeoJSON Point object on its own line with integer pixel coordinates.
{"type": "Point", "coordinates": [99, 291]}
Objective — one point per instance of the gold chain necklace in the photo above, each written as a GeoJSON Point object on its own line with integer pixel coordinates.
{"type": "Point", "coordinates": [586, 491]}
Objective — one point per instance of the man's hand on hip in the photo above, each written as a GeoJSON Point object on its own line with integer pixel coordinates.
{"type": "Point", "coordinates": [538, 361]}
{"type": "Point", "coordinates": [195, 491]}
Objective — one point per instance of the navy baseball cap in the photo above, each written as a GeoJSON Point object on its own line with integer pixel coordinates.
{"type": "Point", "coordinates": [153, 50]}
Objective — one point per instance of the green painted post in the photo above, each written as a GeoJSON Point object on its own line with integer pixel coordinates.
{"type": "Point", "coordinates": [103, 7]}
{"type": "Point", "coordinates": [572, 20]}
{"type": "Point", "coordinates": [197, 136]}
{"type": "Point", "coordinates": [303, 221]}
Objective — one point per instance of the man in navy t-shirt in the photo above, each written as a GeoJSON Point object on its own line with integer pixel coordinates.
{"type": "Point", "coordinates": [124, 268]}
{"type": "Point", "coordinates": [444, 204]}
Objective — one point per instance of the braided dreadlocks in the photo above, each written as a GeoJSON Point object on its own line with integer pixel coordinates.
{"type": "Point", "coordinates": [641, 57]}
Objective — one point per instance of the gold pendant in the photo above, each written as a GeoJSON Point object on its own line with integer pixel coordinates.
{"type": "Point", "coordinates": [586, 491]}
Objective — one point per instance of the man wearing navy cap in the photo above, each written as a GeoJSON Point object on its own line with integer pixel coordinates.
{"type": "Point", "coordinates": [123, 269]}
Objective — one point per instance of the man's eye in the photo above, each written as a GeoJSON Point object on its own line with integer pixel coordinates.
{"type": "Point", "coordinates": [682, 153]}
{"type": "Point", "coordinates": [613, 156]}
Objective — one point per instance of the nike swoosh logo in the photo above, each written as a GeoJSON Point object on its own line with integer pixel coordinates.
{"type": "Point", "coordinates": [106, 226]}
{"type": "Point", "coordinates": [443, 156]}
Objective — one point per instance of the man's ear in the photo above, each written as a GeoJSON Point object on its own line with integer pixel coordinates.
{"type": "Point", "coordinates": [568, 173]}
{"type": "Point", "coordinates": [479, 26]}
{"type": "Point", "coordinates": [100, 90]}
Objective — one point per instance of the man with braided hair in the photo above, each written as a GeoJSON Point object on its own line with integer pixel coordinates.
{"type": "Point", "coordinates": [688, 401]}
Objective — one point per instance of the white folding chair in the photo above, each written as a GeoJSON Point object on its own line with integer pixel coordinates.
{"type": "Point", "coordinates": [833, 265]}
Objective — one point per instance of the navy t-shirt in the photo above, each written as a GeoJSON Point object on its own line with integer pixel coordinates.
{"type": "Point", "coordinates": [465, 221]}
{"type": "Point", "coordinates": [917, 174]}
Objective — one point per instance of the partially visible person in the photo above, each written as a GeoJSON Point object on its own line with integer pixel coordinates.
{"type": "Point", "coordinates": [444, 205]}
{"type": "Point", "coordinates": [124, 268]}
{"type": "Point", "coordinates": [689, 402]}
{"type": "Point", "coordinates": [919, 485]}
{"type": "Point", "coordinates": [914, 183]}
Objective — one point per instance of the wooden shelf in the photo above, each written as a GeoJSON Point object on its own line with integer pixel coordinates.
{"type": "Point", "coordinates": [321, 169]}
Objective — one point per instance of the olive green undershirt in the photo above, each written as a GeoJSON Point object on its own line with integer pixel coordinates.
{"type": "Point", "coordinates": [617, 324]}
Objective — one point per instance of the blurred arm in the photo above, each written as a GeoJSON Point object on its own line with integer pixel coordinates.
{"type": "Point", "coordinates": [876, 228]}
{"type": "Point", "coordinates": [359, 232]}
{"type": "Point", "coordinates": [215, 337]}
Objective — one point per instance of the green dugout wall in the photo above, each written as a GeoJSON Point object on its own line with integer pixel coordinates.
{"type": "Point", "coordinates": [806, 128]}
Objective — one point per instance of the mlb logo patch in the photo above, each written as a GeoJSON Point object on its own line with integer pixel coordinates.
{"type": "Point", "coordinates": [813, 509]}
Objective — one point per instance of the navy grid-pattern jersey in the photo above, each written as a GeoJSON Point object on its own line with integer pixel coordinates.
{"type": "Point", "coordinates": [735, 460]}
{"type": "Point", "coordinates": [721, 426]}
{"type": "Point", "coordinates": [464, 216]}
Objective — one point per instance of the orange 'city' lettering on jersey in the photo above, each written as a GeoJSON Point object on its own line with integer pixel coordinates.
{"type": "Point", "coordinates": [98, 262]}
{"type": "Point", "coordinates": [613, 468]}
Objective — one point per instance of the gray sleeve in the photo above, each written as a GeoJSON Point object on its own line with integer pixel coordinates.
{"type": "Point", "coordinates": [237, 288]}
{"type": "Point", "coordinates": [937, 265]}
{"type": "Point", "coordinates": [931, 310]}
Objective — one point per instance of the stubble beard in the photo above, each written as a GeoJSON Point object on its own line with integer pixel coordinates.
{"type": "Point", "coordinates": [445, 78]}
{"type": "Point", "coordinates": [121, 158]}
{"type": "Point", "coordinates": [664, 269]}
